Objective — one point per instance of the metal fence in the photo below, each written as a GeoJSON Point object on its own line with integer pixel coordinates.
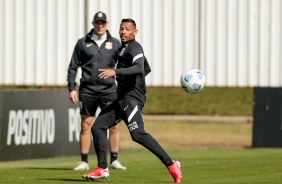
{"type": "Point", "coordinates": [235, 43]}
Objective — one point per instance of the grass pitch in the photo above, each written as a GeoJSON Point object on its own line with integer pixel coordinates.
{"type": "Point", "coordinates": [211, 101]}
{"type": "Point", "coordinates": [210, 153]}
{"type": "Point", "coordinates": [211, 166]}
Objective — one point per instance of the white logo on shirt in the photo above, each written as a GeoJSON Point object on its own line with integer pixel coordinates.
{"type": "Point", "coordinates": [109, 45]}
{"type": "Point", "coordinates": [88, 45]}
{"type": "Point", "coordinates": [125, 108]}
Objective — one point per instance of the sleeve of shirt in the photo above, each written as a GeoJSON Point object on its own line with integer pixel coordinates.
{"type": "Point", "coordinates": [73, 66]}
{"type": "Point", "coordinates": [147, 68]}
{"type": "Point", "coordinates": [137, 63]}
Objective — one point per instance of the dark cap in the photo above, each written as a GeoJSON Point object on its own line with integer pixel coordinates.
{"type": "Point", "coordinates": [100, 16]}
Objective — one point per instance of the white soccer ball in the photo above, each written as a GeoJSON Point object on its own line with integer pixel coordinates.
{"type": "Point", "coordinates": [192, 80]}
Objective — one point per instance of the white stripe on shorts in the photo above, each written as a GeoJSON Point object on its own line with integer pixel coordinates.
{"type": "Point", "coordinates": [132, 114]}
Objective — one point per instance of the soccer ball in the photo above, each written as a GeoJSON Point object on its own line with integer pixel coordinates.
{"type": "Point", "coordinates": [192, 80]}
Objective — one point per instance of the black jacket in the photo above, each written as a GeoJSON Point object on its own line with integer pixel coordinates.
{"type": "Point", "coordinates": [90, 58]}
{"type": "Point", "coordinates": [131, 70]}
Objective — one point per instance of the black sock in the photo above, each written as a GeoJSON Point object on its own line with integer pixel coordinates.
{"type": "Point", "coordinates": [170, 163]}
{"type": "Point", "coordinates": [84, 157]}
{"type": "Point", "coordinates": [114, 156]}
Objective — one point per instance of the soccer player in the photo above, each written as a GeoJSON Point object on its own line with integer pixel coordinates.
{"type": "Point", "coordinates": [98, 49]}
{"type": "Point", "coordinates": [130, 74]}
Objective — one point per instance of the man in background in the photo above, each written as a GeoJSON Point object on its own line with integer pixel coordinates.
{"type": "Point", "coordinates": [98, 49]}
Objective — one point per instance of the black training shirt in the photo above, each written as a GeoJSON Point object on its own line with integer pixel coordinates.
{"type": "Point", "coordinates": [131, 70]}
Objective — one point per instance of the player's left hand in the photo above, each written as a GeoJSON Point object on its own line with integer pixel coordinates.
{"type": "Point", "coordinates": [105, 73]}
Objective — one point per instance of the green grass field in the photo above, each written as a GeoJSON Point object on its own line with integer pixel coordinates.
{"type": "Point", "coordinates": [210, 101]}
{"type": "Point", "coordinates": [199, 166]}
{"type": "Point", "coordinates": [209, 152]}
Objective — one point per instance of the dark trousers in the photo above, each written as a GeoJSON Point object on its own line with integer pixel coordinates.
{"type": "Point", "coordinates": [131, 113]}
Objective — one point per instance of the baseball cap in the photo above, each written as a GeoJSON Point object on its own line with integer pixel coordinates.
{"type": "Point", "coordinates": [100, 16]}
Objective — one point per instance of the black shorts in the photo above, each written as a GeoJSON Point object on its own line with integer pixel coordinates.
{"type": "Point", "coordinates": [89, 104]}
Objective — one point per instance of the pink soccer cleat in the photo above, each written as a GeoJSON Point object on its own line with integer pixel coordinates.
{"type": "Point", "coordinates": [97, 173]}
{"type": "Point", "coordinates": [175, 172]}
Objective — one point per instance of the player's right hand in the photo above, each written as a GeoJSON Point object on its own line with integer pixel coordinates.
{"type": "Point", "coordinates": [73, 96]}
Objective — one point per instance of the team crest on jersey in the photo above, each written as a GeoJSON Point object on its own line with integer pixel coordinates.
{"type": "Point", "coordinates": [109, 45]}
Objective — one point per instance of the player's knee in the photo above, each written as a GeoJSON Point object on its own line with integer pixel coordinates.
{"type": "Point", "coordinates": [114, 129]}
{"type": "Point", "coordinates": [85, 126]}
{"type": "Point", "coordinates": [136, 136]}
{"type": "Point", "coordinates": [96, 127]}
{"type": "Point", "coordinates": [135, 139]}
